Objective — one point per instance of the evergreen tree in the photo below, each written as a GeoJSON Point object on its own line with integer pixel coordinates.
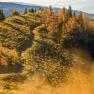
{"type": "Point", "coordinates": [31, 10]}
{"type": "Point", "coordinates": [15, 13]}
{"type": "Point", "coordinates": [26, 11]}
{"type": "Point", "coordinates": [35, 10]}
{"type": "Point", "coordinates": [2, 15]}
{"type": "Point", "coordinates": [81, 16]}
{"type": "Point", "coordinates": [74, 14]}
{"type": "Point", "coordinates": [80, 20]}
{"type": "Point", "coordinates": [40, 8]}
{"type": "Point", "coordinates": [70, 11]}
{"type": "Point", "coordinates": [50, 10]}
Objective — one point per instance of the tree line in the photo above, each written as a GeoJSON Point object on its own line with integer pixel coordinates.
{"type": "Point", "coordinates": [15, 12]}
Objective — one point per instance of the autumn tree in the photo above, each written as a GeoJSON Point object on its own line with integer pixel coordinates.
{"type": "Point", "coordinates": [62, 19]}
{"type": "Point", "coordinates": [52, 23]}
{"type": "Point", "coordinates": [9, 60]}
{"type": "Point", "coordinates": [55, 23]}
{"type": "Point", "coordinates": [49, 11]}
{"type": "Point", "coordinates": [50, 19]}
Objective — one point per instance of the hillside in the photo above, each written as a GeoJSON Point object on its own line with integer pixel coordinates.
{"type": "Point", "coordinates": [45, 45]}
{"type": "Point", "coordinates": [18, 30]}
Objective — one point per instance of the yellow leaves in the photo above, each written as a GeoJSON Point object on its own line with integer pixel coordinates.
{"type": "Point", "coordinates": [3, 60]}
{"type": "Point", "coordinates": [61, 15]}
{"type": "Point", "coordinates": [5, 54]}
{"type": "Point", "coordinates": [71, 24]}
{"type": "Point", "coordinates": [14, 53]}
{"type": "Point", "coordinates": [5, 26]}
{"type": "Point", "coordinates": [52, 23]}
{"type": "Point", "coordinates": [8, 52]}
